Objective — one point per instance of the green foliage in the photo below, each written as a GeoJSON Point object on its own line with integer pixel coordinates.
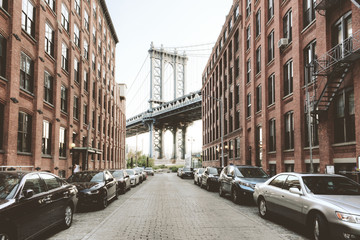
{"type": "Point", "coordinates": [142, 160]}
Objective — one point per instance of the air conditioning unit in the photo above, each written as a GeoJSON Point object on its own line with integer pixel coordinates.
{"type": "Point", "coordinates": [283, 42]}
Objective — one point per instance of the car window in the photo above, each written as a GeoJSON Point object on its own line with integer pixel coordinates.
{"type": "Point", "coordinates": [118, 174]}
{"type": "Point", "coordinates": [232, 171]}
{"type": "Point", "coordinates": [8, 185]}
{"type": "Point", "coordinates": [212, 171]}
{"type": "Point", "coordinates": [201, 170]}
{"type": "Point", "coordinates": [50, 181]}
{"type": "Point", "coordinates": [252, 172]}
{"type": "Point", "coordinates": [292, 181]}
{"type": "Point", "coordinates": [225, 171]}
{"type": "Point", "coordinates": [328, 185]}
{"type": "Point", "coordinates": [278, 181]}
{"type": "Point", "coordinates": [34, 182]}
{"type": "Point", "coordinates": [108, 175]}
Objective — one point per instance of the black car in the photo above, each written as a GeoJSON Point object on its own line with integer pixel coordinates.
{"type": "Point", "coordinates": [123, 180]}
{"type": "Point", "coordinates": [187, 173]}
{"type": "Point", "coordinates": [210, 179]}
{"type": "Point", "coordinates": [240, 181]}
{"type": "Point", "coordinates": [95, 187]}
{"type": "Point", "coordinates": [32, 202]}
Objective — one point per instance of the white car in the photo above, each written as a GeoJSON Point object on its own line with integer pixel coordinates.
{"type": "Point", "coordinates": [134, 179]}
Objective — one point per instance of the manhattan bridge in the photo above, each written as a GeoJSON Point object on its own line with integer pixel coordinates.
{"type": "Point", "coordinates": [157, 100]}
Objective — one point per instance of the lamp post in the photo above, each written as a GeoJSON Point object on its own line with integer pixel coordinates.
{"type": "Point", "coordinates": [191, 139]}
{"type": "Point", "coordinates": [221, 125]}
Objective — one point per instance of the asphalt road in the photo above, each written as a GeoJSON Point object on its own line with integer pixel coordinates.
{"type": "Point", "coordinates": [167, 207]}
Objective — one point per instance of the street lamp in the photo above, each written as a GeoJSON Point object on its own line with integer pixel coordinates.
{"type": "Point", "coordinates": [191, 139]}
{"type": "Point", "coordinates": [221, 125]}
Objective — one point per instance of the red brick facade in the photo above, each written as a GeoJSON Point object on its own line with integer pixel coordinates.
{"type": "Point", "coordinates": [220, 80]}
{"type": "Point", "coordinates": [107, 143]}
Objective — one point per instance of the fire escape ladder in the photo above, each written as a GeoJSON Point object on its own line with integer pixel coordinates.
{"type": "Point", "coordinates": [323, 5]}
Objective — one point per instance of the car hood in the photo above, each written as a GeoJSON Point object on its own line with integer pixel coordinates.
{"type": "Point", "coordinates": [253, 180]}
{"type": "Point", "coordinates": [81, 186]}
{"type": "Point", "coordinates": [349, 204]}
{"type": "Point", "coordinates": [4, 203]}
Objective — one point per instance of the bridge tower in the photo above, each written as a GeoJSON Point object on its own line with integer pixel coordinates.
{"type": "Point", "coordinates": [158, 60]}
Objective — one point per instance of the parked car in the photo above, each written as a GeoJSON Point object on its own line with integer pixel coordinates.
{"type": "Point", "coordinates": [328, 204]}
{"type": "Point", "coordinates": [240, 181]}
{"type": "Point", "coordinates": [179, 171]}
{"type": "Point", "coordinates": [142, 173]}
{"type": "Point", "coordinates": [134, 179]}
{"type": "Point", "coordinates": [123, 180]}
{"type": "Point", "coordinates": [187, 173]}
{"type": "Point", "coordinates": [33, 202]}
{"type": "Point", "coordinates": [197, 175]}
{"type": "Point", "coordinates": [210, 179]}
{"type": "Point", "coordinates": [149, 171]}
{"type": "Point", "coordinates": [95, 187]}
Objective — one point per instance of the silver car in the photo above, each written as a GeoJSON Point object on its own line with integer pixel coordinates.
{"type": "Point", "coordinates": [328, 204]}
{"type": "Point", "coordinates": [197, 175]}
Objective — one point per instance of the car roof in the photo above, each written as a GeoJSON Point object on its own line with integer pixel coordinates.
{"type": "Point", "coordinates": [245, 166]}
{"type": "Point", "coordinates": [312, 174]}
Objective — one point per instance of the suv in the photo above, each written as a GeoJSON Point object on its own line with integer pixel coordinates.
{"type": "Point", "coordinates": [210, 178]}
{"type": "Point", "coordinates": [240, 181]}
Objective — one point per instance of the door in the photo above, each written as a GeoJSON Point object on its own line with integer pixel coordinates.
{"type": "Point", "coordinates": [292, 203]}
{"type": "Point", "coordinates": [229, 179]}
{"type": "Point", "coordinates": [273, 192]}
{"type": "Point", "coordinates": [110, 184]}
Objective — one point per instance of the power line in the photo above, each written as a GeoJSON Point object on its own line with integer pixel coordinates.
{"type": "Point", "coordinates": [139, 71]}
{"type": "Point", "coordinates": [191, 46]}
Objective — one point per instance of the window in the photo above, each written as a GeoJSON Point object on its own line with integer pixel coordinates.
{"type": "Point", "coordinates": [259, 155]}
{"type": "Point", "coordinates": [248, 101]}
{"type": "Point", "coordinates": [65, 17]}
{"type": "Point", "coordinates": [64, 57]}
{"type": "Point", "coordinates": [258, 60]}
{"type": "Point", "coordinates": [289, 130]}
{"type": "Point", "coordinates": [270, 9]}
{"type": "Point", "coordinates": [86, 20]}
{"type": "Point", "coordinates": [287, 26]}
{"type": "Point", "coordinates": [94, 90]}
{"type": "Point", "coordinates": [62, 142]}
{"type": "Point", "coordinates": [49, 40]}
{"type": "Point", "coordinates": [24, 133]}
{"type": "Point", "coordinates": [63, 99]}
{"type": "Point", "coordinates": [100, 22]}
{"type": "Point", "coordinates": [236, 40]}
{"type": "Point", "coordinates": [271, 54]}
{"type": "Point", "coordinates": [34, 182]}
{"type": "Point", "coordinates": [50, 181]}
{"type": "Point", "coordinates": [288, 78]}
{"type": "Point", "coordinates": [341, 31]}
{"type": "Point", "coordinates": [344, 130]}
{"type": "Point", "coordinates": [76, 70]}
{"type": "Point", "coordinates": [76, 107]}
{"type": "Point", "coordinates": [2, 56]}
{"type": "Point", "coordinates": [46, 138]}
{"type": "Point", "coordinates": [309, 11]}
{"type": "Point", "coordinates": [77, 6]}
{"type": "Point", "coordinates": [237, 67]}
{"type": "Point", "coordinates": [86, 81]}
{"type": "Point", "coordinates": [93, 64]}
{"type": "Point", "coordinates": [309, 54]}
{"type": "Point", "coordinates": [26, 73]}
{"type": "Point", "coordinates": [2, 116]}
{"type": "Point", "coordinates": [51, 4]}
{"type": "Point", "coordinates": [99, 70]}
{"type": "Point", "coordinates": [248, 37]}
{"type": "Point", "coordinates": [272, 135]}
{"type": "Point", "coordinates": [292, 182]}
{"type": "Point", "coordinates": [248, 70]}
{"type": "Point", "coordinates": [28, 17]}
{"type": "Point", "coordinates": [94, 9]}
{"type": "Point", "coordinates": [271, 89]}
{"type": "Point", "coordinates": [258, 23]}
{"type": "Point", "coordinates": [48, 88]}
{"type": "Point", "coordinates": [86, 49]}
{"type": "Point", "coordinates": [237, 94]}
{"type": "Point", "coordinates": [85, 113]}
{"type": "Point", "coordinates": [236, 13]}
{"type": "Point", "coordinates": [93, 119]}
{"type": "Point", "coordinates": [314, 119]}
{"type": "Point", "coordinates": [258, 98]}
{"type": "Point", "coordinates": [76, 35]}
{"type": "Point", "coordinates": [248, 7]}
{"type": "Point", "coordinates": [237, 148]}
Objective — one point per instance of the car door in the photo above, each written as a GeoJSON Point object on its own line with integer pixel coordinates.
{"type": "Point", "coordinates": [273, 191]}
{"type": "Point", "coordinates": [31, 214]}
{"type": "Point", "coordinates": [222, 179]}
{"type": "Point", "coordinates": [205, 177]}
{"type": "Point", "coordinates": [110, 184]}
{"type": "Point", "coordinates": [58, 196]}
{"type": "Point", "coordinates": [230, 179]}
{"type": "Point", "coordinates": [292, 203]}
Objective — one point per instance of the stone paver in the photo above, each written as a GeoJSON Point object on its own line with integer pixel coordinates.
{"type": "Point", "coordinates": [167, 207]}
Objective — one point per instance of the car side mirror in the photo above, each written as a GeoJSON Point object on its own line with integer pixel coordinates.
{"type": "Point", "coordinates": [206, 172]}
{"type": "Point", "coordinates": [28, 193]}
{"type": "Point", "coordinates": [229, 175]}
{"type": "Point", "coordinates": [295, 190]}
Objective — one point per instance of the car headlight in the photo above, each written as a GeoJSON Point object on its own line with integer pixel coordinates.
{"type": "Point", "coordinates": [246, 184]}
{"type": "Point", "coordinates": [346, 217]}
{"type": "Point", "coordinates": [94, 192]}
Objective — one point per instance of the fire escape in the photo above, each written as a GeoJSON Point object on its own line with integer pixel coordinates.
{"type": "Point", "coordinates": [334, 65]}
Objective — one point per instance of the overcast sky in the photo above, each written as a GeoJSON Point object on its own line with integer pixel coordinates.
{"type": "Point", "coordinates": [173, 23]}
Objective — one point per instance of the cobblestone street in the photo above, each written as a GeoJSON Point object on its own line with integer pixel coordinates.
{"type": "Point", "coordinates": [167, 207]}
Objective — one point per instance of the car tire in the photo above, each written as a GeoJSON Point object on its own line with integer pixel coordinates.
{"type": "Point", "coordinates": [201, 184]}
{"type": "Point", "coordinates": [5, 234]}
{"type": "Point", "coordinates": [262, 207]}
{"type": "Point", "coordinates": [116, 194]}
{"type": "Point", "coordinates": [195, 182]}
{"type": "Point", "coordinates": [319, 227]}
{"type": "Point", "coordinates": [67, 217]}
{"type": "Point", "coordinates": [221, 192]}
{"type": "Point", "coordinates": [104, 202]}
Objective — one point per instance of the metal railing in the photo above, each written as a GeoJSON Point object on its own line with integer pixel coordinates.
{"type": "Point", "coordinates": [341, 52]}
{"type": "Point", "coordinates": [17, 168]}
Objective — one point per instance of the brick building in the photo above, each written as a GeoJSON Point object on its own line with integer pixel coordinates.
{"type": "Point", "coordinates": [59, 102]}
{"type": "Point", "coordinates": [268, 56]}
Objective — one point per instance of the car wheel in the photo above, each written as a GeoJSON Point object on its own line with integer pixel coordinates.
{"type": "Point", "coordinates": [67, 218]}
{"type": "Point", "coordinates": [201, 184]}
{"type": "Point", "coordinates": [5, 235]}
{"type": "Point", "coordinates": [116, 194]}
{"type": "Point", "coordinates": [319, 227]}
{"type": "Point", "coordinates": [263, 211]}
{"type": "Point", "coordinates": [194, 182]}
{"type": "Point", "coordinates": [104, 202]}
{"type": "Point", "coordinates": [221, 192]}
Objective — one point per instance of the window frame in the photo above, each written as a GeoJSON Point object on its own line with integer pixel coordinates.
{"type": "Point", "coordinates": [49, 39]}
{"type": "Point", "coordinates": [46, 138]}
{"type": "Point", "coordinates": [26, 74]}
{"type": "Point", "coordinates": [24, 133]}
{"type": "Point", "coordinates": [65, 19]}
{"type": "Point", "coordinates": [48, 87]}
{"type": "Point", "coordinates": [28, 17]}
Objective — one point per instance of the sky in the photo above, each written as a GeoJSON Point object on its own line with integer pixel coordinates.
{"type": "Point", "coordinates": [171, 23]}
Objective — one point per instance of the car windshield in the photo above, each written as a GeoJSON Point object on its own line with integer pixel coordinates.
{"type": "Point", "coordinates": [251, 173]}
{"type": "Point", "coordinates": [186, 170]}
{"type": "Point", "coordinates": [118, 174]}
{"type": "Point", "coordinates": [130, 172]}
{"type": "Point", "coordinates": [201, 170]}
{"type": "Point", "coordinates": [8, 185]}
{"type": "Point", "coordinates": [327, 185]}
{"type": "Point", "coordinates": [148, 168]}
{"type": "Point", "coordinates": [213, 171]}
{"type": "Point", "coordinates": [87, 177]}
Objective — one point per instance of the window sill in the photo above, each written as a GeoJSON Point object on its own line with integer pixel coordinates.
{"type": "Point", "coordinates": [2, 151]}
{"type": "Point", "coordinates": [4, 79]}
{"type": "Point", "coordinates": [288, 96]}
{"type": "Point", "coordinates": [271, 105]}
{"type": "Point", "coordinates": [50, 57]}
{"type": "Point", "coordinates": [63, 158]}
{"type": "Point", "coordinates": [64, 113]}
{"type": "Point", "coordinates": [271, 62]}
{"type": "Point", "coordinates": [272, 152]}
{"type": "Point", "coordinates": [29, 37]}
{"type": "Point", "coordinates": [48, 104]}
{"type": "Point", "coordinates": [314, 147]}
{"type": "Point", "coordinates": [24, 153]}
{"type": "Point", "coordinates": [288, 150]}
{"type": "Point", "coordinates": [2, 10]}
{"type": "Point", "coordinates": [308, 26]}
{"type": "Point", "coordinates": [270, 20]}
{"type": "Point", "coordinates": [343, 144]}
{"type": "Point", "coordinates": [47, 156]}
